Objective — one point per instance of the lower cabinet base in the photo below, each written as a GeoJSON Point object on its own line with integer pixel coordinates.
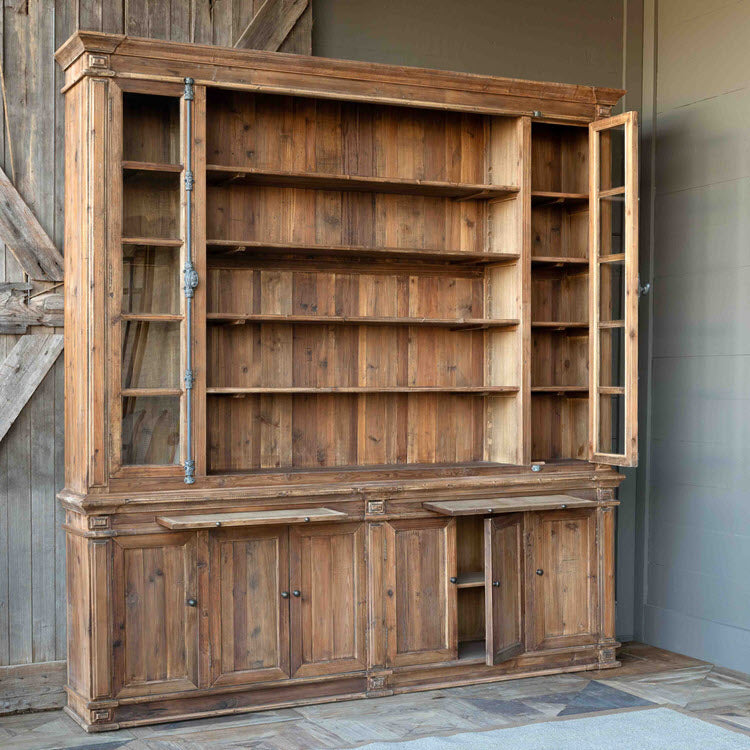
{"type": "Point", "coordinates": [106, 715]}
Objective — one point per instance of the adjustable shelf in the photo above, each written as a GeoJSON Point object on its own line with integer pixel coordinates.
{"type": "Point", "coordinates": [292, 390]}
{"type": "Point", "coordinates": [561, 389]}
{"type": "Point", "coordinates": [558, 261]}
{"type": "Point", "coordinates": [158, 241]}
{"type": "Point", "coordinates": [559, 325]}
{"type": "Point", "coordinates": [457, 324]}
{"type": "Point", "coordinates": [470, 580]}
{"type": "Point", "coordinates": [217, 174]}
{"type": "Point", "coordinates": [151, 166]}
{"type": "Point", "coordinates": [301, 251]}
{"type": "Point", "coordinates": [552, 197]}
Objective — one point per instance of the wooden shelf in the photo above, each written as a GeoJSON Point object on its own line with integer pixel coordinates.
{"type": "Point", "coordinates": [150, 166]}
{"type": "Point", "coordinates": [151, 317]}
{"type": "Point", "coordinates": [217, 174]}
{"type": "Point", "coordinates": [250, 518]}
{"type": "Point", "coordinates": [472, 389]}
{"type": "Point", "coordinates": [470, 580]}
{"type": "Point", "coordinates": [295, 251]}
{"type": "Point", "coordinates": [140, 392]}
{"type": "Point", "coordinates": [157, 241]}
{"type": "Point", "coordinates": [489, 506]}
{"type": "Point", "coordinates": [549, 197]}
{"type": "Point", "coordinates": [559, 261]}
{"type": "Point", "coordinates": [558, 325]}
{"type": "Point", "coordinates": [559, 389]}
{"type": "Point", "coordinates": [454, 324]}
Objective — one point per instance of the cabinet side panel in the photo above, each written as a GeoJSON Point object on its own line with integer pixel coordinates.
{"type": "Point", "coordinates": [79, 614]}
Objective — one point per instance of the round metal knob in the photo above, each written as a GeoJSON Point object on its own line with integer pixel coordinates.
{"type": "Point", "coordinates": [539, 572]}
{"type": "Point", "coordinates": [284, 594]}
{"type": "Point", "coordinates": [296, 592]}
{"type": "Point", "coordinates": [192, 602]}
{"type": "Point", "coordinates": [563, 506]}
{"type": "Point", "coordinates": [453, 579]}
{"type": "Point", "coordinates": [218, 523]}
{"type": "Point", "coordinates": [307, 519]}
{"type": "Point", "coordinates": [496, 584]}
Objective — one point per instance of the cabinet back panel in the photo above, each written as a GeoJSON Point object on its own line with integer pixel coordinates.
{"type": "Point", "coordinates": [559, 232]}
{"type": "Point", "coordinates": [469, 544]}
{"type": "Point", "coordinates": [253, 291]}
{"type": "Point", "coordinates": [318, 431]}
{"type": "Point", "coordinates": [151, 128]}
{"type": "Point", "coordinates": [559, 158]}
{"type": "Point", "coordinates": [559, 427]}
{"type": "Point", "coordinates": [329, 217]}
{"type": "Point", "coordinates": [559, 296]}
{"type": "Point", "coordinates": [470, 611]}
{"type": "Point", "coordinates": [295, 134]}
{"type": "Point", "coordinates": [150, 206]}
{"type": "Point", "coordinates": [559, 358]}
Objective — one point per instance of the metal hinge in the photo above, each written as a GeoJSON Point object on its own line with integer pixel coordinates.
{"type": "Point", "coordinates": [191, 280]}
{"type": "Point", "coordinates": [189, 91]}
{"type": "Point", "coordinates": [189, 181]}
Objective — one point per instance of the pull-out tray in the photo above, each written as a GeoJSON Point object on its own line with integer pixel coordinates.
{"type": "Point", "coordinates": [482, 506]}
{"type": "Point", "coordinates": [250, 518]}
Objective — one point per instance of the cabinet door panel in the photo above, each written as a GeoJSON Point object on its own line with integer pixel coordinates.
{"type": "Point", "coordinates": [155, 631]}
{"type": "Point", "coordinates": [328, 616]}
{"type": "Point", "coordinates": [250, 619]}
{"type": "Point", "coordinates": [420, 599]}
{"type": "Point", "coordinates": [562, 575]}
{"type": "Point", "coordinates": [503, 587]}
{"type": "Point", "coordinates": [614, 289]}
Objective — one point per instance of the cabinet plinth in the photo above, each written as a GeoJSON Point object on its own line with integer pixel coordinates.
{"type": "Point", "coordinates": [350, 358]}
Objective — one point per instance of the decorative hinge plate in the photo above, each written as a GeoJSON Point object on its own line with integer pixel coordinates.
{"type": "Point", "coordinates": [189, 90]}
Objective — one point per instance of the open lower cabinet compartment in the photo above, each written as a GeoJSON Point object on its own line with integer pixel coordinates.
{"type": "Point", "coordinates": [347, 374]}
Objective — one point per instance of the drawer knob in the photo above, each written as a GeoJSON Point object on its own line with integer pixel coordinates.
{"type": "Point", "coordinates": [192, 602]}
{"type": "Point", "coordinates": [284, 594]}
{"type": "Point", "coordinates": [297, 592]}
{"type": "Point", "coordinates": [453, 579]}
{"type": "Point", "coordinates": [539, 572]}
{"type": "Point", "coordinates": [496, 584]}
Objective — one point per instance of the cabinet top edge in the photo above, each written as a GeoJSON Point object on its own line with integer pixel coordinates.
{"type": "Point", "coordinates": [328, 72]}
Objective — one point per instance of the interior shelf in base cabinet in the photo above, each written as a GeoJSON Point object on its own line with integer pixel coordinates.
{"type": "Point", "coordinates": [416, 389]}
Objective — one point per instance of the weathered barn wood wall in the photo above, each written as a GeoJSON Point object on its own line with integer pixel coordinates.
{"type": "Point", "coordinates": [32, 565]}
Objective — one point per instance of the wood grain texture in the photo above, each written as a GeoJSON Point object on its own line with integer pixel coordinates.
{"type": "Point", "coordinates": [22, 370]}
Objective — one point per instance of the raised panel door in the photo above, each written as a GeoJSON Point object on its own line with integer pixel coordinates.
{"type": "Point", "coordinates": [328, 604]}
{"type": "Point", "coordinates": [562, 579]}
{"type": "Point", "coordinates": [155, 641]}
{"type": "Point", "coordinates": [503, 587]}
{"type": "Point", "coordinates": [420, 597]}
{"type": "Point", "coordinates": [249, 574]}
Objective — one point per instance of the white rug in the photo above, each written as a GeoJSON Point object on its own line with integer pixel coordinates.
{"type": "Point", "coordinates": [650, 729]}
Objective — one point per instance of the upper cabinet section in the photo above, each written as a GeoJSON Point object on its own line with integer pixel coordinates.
{"type": "Point", "coordinates": [397, 268]}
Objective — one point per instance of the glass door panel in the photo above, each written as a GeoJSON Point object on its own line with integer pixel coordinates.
{"type": "Point", "coordinates": [613, 301]}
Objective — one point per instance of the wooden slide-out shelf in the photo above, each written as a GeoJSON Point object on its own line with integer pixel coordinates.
{"type": "Point", "coordinates": [217, 174]}
{"type": "Point", "coordinates": [249, 518]}
{"type": "Point", "coordinates": [491, 506]}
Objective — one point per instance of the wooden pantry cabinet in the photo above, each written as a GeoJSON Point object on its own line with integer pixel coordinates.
{"type": "Point", "coordinates": [350, 358]}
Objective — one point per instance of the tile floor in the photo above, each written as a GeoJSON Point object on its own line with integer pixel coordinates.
{"type": "Point", "coordinates": [648, 676]}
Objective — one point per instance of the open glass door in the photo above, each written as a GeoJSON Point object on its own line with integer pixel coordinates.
{"type": "Point", "coordinates": [613, 290]}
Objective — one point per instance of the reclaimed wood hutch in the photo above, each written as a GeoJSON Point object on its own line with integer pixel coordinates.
{"type": "Point", "coordinates": [350, 357]}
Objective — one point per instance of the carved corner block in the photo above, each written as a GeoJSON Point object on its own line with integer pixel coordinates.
{"type": "Point", "coordinates": [97, 64]}
{"type": "Point", "coordinates": [97, 523]}
{"type": "Point", "coordinates": [377, 684]}
{"type": "Point", "coordinates": [375, 507]}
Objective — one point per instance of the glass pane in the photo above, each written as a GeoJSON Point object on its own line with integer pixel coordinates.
{"type": "Point", "coordinates": [151, 430]}
{"type": "Point", "coordinates": [150, 279]}
{"type": "Point", "coordinates": [150, 355]}
{"type": "Point", "coordinates": [612, 225]}
{"type": "Point", "coordinates": [612, 357]}
{"type": "Point", "coordinates": [611, 291]}
{"type": "Point", "coordinates": [611, 424]}
{"type": "Point", "coordinates": [612, 158]}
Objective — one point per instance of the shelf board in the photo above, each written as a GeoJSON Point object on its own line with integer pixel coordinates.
{"type": "Point", "coordinates": [452, 323]}
{"type": "Point", "coordinates": [151, 317]}
{"type": "Point", "coordinates": [300, 251]}
{"type": "Point", "coordinates": [156, 241]}
{"type": "Point", "coordinates": [470, 580]}
{"type": "Point", "coordinates": [140, 392]}
{"type": "Point", "coordinates": [551, 197]}
{"type": "Point", "coordinates": [559, 325]}
{"type": "Point", "coordinates": [613, 258]}
{"type": "Point", "coordinates": [611, 390]}
{"type": "Point", "coordinates": [471, 389]}
{"type": "Point", "coordinates": [472, 651]}
{"type": "Point", "coordinates": [217, 174]}
{"type": "Point", "coordinates": [150, 166]}
{"type": "Point", "coordinates": [558, 261]}
{"type": "Point", "coordinates": [559, 389]}
{"type": "Point", "coordinates": [249, 518]}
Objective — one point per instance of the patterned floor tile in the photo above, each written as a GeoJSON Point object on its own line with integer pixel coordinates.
{"type": "Point", "coordinates": [598, 697]}
{"type": "Point", "coordinates": [676, 686]}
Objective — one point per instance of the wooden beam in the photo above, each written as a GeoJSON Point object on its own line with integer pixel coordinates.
{"type": "Point", "coordinates": [23, 234]}
{"type": "Point", "coordinates": [271, 25]}
{"type": "Point", "coordinates": [22, 371]}
{"type": "Point", "coordinates": [16, 314]}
